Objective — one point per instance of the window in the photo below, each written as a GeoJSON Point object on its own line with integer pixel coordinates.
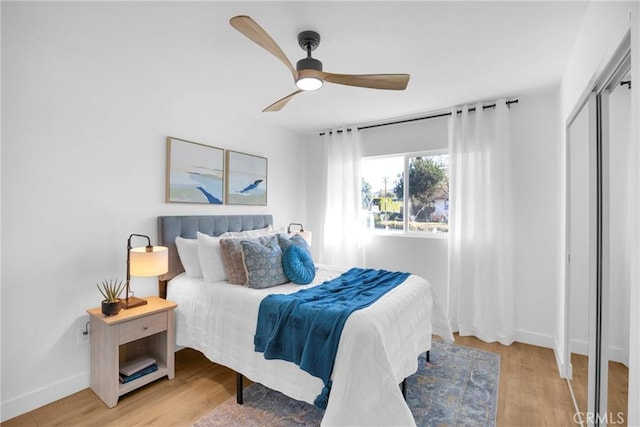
{"type": "Point", "coordinates": [422, 207]}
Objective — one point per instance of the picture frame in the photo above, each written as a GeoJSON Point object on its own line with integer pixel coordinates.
{"type": "Point", "coordinates": [195, 172]}
{"type": "Point", "coordinates": [246, 179]}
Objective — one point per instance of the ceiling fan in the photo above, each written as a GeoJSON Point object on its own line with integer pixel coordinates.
{"type": "Point", "coordinates": [308, 74]}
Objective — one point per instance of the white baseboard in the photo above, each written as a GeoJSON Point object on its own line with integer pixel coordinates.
{"type": "Point", "coordinates": [579, 347]}
{"type": "Point", "coordinates": [566, 372]}
{"type": "Point", "coordinates": [533, 338]}
{"type": "Point", "coordinates": [616, 354]}
{"type": "Point", "coordinates": [43, 396]}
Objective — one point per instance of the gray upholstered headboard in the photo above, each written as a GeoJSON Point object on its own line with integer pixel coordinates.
{"type": "Point", "coordinates": [170, 227]}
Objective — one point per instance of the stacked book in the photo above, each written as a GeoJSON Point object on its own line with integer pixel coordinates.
{"type": "Point", "coordinates": [137, 368]}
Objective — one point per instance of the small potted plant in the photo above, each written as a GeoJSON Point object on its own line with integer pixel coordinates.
{"type": "Point", "coordinates": [111, 291]}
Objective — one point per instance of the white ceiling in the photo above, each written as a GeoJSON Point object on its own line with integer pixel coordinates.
{"type": "Point", "coordinates": [456, 52]}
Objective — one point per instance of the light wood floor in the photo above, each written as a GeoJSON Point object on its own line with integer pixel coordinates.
{"type": "Point", "coordinates": [617, 389]}
{"type": "Point", "coordinates": [531, 393]}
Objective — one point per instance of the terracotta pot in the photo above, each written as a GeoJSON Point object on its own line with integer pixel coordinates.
{"type": "Point", "coordinates": [111, 308]}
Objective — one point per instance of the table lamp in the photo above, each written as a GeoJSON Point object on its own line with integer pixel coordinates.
{"type": "Point", "coordinates": [144, 261]}
{"type": "Point", "coordinates": [306, 235]}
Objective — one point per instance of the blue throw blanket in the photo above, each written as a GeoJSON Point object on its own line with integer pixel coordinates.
{"type": "Point", "coordinates": [305, 327]}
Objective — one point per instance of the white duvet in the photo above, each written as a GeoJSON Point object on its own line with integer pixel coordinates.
{"type": "Point", "coordinates": [379, 346]}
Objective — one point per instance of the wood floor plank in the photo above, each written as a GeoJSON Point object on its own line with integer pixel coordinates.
{"type": "Point", "coordinates": [531, 393]}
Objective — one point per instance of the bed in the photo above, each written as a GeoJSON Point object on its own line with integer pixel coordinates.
{"type": "Point", "coordinates": [378, 349]}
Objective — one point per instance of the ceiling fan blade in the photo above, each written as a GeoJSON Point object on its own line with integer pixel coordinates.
{"type": "Point", "coordinates": [277, 106]}
{"type": "Point", "coordinates": [373, 81]}
{"type": "Point", "coordinates": [254, 32]}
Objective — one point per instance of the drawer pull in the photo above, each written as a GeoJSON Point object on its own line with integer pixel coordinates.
{"type": "Point", "coordinates": [142, 327]}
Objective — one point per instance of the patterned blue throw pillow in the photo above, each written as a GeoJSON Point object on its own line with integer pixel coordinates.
{"type": "Point", "coordinates": [263, 263]}
{"type": "Point", "coordinates": [298, 265]}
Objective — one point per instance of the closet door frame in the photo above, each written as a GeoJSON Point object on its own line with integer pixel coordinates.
{"type": "Point", "coordinates": [596, 98]}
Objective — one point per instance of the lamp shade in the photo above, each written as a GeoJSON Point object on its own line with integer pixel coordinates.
{"type": "Point", "coordinates": [149, 261]}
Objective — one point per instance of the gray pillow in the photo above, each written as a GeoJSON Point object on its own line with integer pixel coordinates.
{"type": "Point", "coordinates": [263, 263]}
{"type": "Point", "coordinates": [232, 258]}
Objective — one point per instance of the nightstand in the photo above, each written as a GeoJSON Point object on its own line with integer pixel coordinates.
{"type": "Point", "coordinates": [147, 330]}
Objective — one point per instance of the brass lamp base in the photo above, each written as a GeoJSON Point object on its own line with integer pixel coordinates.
{"type": "Point", "coordinates": [132, 302]}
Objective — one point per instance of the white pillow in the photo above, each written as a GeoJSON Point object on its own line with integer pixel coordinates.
{"type": "Point", "coordinates": [188, 253]}
{"type": "Point", "coordinates": [210, 256]}
{"type": "Point", "coordinates": [268, 230]}
{"type": "Point", "coordinates": [248, 233]}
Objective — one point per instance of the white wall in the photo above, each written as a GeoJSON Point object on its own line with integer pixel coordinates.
{"type": "Point", "coordinates": [534, 124]}
{"type": "Point", "coordinates": [83, 166]}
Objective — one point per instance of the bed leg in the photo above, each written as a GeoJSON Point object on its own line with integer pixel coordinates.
{"type": "Point", "coordinates": [403, 387]}
{"type": "Point", "coordinates": [239, 389]}
{"type": "Point", "coordinates": [428, 356]}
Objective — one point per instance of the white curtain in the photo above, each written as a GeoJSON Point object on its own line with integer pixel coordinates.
{"type": "Point", "coordinates": [341, 237]}
{"type": "Point", "coordinates": [481, 259]}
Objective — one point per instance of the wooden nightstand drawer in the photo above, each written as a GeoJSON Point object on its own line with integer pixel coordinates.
{"type": "Point", "coordinates": [142, 327]}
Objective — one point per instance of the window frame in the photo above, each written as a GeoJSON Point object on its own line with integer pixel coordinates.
{"type": "Point", "coordinates": [405, 202]}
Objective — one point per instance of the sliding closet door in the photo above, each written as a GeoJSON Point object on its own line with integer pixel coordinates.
{"type": "Point", "coordinates": [605, 265]}
{"type": "Point", "coordinates": [614, 244]}
{"type": "Point", "coordinates": [578, 260]}
{"type": "Point", "coordinates": [587, 257]}
{"type": "Point", "coordinates": [581, 246]}
{"type": "Point", "coordinates": [622, 205]}
{"type": "Point", "coordinates": [616, 107]}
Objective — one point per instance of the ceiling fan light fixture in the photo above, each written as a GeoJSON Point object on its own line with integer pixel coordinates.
{"type": "Point", "coordinates": [308, 73]}
{"type": "Point", "coordinates": [309, 83]}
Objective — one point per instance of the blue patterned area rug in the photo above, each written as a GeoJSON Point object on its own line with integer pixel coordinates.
{"type": "Point", "coordinates": [458, 387]}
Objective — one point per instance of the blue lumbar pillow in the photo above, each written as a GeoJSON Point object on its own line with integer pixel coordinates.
{"type": "Point", "coordinates": [298, 265]}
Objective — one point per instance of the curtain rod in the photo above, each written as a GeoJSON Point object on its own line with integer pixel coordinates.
{"type": "Point", "coordinates": [432, 116]}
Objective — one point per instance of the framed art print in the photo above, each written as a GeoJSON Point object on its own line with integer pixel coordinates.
{"type": "Point", "coordinates": [195, 172]}
{"type": "Point", "coordinates": [246, 179]}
